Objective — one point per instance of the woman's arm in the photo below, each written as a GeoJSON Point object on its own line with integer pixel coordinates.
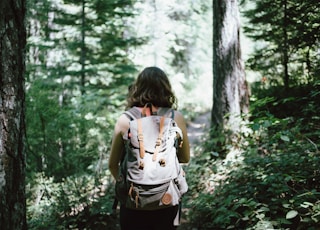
{"type": "Point", "coordinates": [184, 151]}
{"type": "Point", "coordinates": [117, 145]}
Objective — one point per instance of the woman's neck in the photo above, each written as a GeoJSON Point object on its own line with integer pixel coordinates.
{"type": "Point", "coordinates": [148, 110]}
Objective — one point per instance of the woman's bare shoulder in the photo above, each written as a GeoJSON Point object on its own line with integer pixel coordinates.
{"type": "Point", "coordinates": [122, 124]}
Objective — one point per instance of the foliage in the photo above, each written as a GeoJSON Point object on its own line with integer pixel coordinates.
{"type": "Point", "coordinates": [271, 179]}
{"type": "Point", "coordinates": [79, 64]}
{"type": "Point", "coordinates": [81, 57]}
{"type": "Point", "coordinates": [64, 140]}
{"type": "Point", "coordinates": [77, 202]}
{"type": "Point", "coordinates": [286, 35]}
{"type": "Point", "coordinates": [77, 77]}
{"type": "Point", "coordinates": [179, 40]}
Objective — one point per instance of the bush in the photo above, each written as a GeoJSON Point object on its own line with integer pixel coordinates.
{"type": "Point", "coordinates": [270, 182]}
{"type": "Point", "coordinates": [82, 202]}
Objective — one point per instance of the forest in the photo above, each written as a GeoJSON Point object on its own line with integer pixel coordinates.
{"type": "Point", "coordinates": [253, 65]}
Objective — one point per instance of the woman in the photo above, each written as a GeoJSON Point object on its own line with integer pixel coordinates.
{"type": "Point", "coordinates": [152, 86]}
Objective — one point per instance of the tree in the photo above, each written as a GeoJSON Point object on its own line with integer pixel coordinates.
{"type": "Point", "coordinates": [79, 65]}
{"type": "Point", "coordinates": [230, 91]}
{"type": "Point", "coordinates": [177, 40]}
{"type": "Point", "coordinates": [288, 36]}
{"type": "Point", "coordinates": [12, 113]}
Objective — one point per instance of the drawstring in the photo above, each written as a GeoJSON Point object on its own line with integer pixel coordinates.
{"type": "Point", "coordinates": [136, 198]}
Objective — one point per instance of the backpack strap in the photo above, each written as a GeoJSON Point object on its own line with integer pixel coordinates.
{"type": "Point", "coordinates": [140, 138]}
{"type": "Point", "coordinates": [163, 111]}
{"type": "Point", "coordinates": [133, 113]}
{"type": "Point", "coordinates": [158, 143]}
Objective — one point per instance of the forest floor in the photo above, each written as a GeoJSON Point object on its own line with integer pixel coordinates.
{"type": "Point", "coordinates": [196, 129]}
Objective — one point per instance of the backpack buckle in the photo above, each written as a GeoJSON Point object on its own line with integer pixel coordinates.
{"type": "Point", "coordinates": [158, 142]}
{"type": "Point", "coordinates": [140, 137]}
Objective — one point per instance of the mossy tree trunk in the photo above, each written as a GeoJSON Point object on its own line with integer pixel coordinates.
{"type": "Point", "coordinates": [230, 91]}
{"type": "Point", "coordinates": [12, 115]}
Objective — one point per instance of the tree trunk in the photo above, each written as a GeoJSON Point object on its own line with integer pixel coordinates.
{"type": "Point", "coordinates": [12, 113]}
{"type": "Point", "coordinates": [83, 47]}
{"type": "Point", "coordinates": [230, 91]}
{"type": "Point", "coordinates": [285, 46]}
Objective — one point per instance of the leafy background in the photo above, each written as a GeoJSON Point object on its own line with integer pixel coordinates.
{"type": "Point", "coordinates": [81, 57]}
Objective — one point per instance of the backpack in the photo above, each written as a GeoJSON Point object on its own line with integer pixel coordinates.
{"type": "Point", "coordinates": [150, 175]}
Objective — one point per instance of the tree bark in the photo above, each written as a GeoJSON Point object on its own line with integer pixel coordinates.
{"type": "Point", "coordinates": [285, 46]}
{"type": "Point", "coordinates": [12, 115]}
{"type": "Point", "coordinates": [83, 48]}
{"type": "Point", "coordinates": [230, 91]}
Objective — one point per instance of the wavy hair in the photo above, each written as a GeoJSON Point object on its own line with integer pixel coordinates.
{"type": "Point", "coordinates": [151, 86]}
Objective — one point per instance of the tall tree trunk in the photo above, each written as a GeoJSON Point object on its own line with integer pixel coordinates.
{"type": "Point", "coordinates": [230, 91]}
{"type": "Point", "coordinates": [155, 32]}
{"type": "Point", "coordinates": [285, 46]}
{"type": "Point", "coordinates": [12, 113]}
{"type": "Point", "coordinates": [83, 48]}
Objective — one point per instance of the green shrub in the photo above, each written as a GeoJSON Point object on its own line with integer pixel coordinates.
{"type": "Point", "coordinates": [82, 202]}
{"type": "Point", "coordinates": [270, 180]}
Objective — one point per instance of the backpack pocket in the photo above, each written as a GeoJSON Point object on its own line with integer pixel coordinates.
{"type": "Point", "coordinates": [181, 182]}
{"type": "Point", "coordinates": [151, 197]}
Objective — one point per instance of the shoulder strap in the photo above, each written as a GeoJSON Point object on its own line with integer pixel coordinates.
{"type": "Point", "coordinates": [168, 112]}
{"type": "Point", "coordinates": [158, 143]}
{"type": "Point", "coordinates": [133, 113]}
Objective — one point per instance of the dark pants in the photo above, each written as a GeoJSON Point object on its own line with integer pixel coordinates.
{"type": "Point", "coordinates": [161, 219]}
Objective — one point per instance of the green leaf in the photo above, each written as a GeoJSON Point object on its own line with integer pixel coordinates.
{"type": "Point", "coordinates": [285, 138]}
{"type": "Point", "coordinates": [215, 154]}
{"type": "Point", "coordinates": [286, 205]}
{"type": "Point", "coordinates": [291, 214]}
{"type": "Point", "coordinates": [306, 204]}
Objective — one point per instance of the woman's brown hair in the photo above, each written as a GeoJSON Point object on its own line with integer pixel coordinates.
{"type": "Point", "coordinates": [151, 86]}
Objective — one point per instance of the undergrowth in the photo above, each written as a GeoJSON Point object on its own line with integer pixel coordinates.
{"type": "Point", "coordinates": [270, 178]}
{"type": "Point", "coordinates": [82, 202]}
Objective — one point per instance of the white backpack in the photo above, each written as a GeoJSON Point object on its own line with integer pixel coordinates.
{"type": "Point", "coordinates": [150, 175]}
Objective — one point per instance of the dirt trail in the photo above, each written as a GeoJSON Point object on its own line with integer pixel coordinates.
{"type": "Point", "coordinates": [197, 128]}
